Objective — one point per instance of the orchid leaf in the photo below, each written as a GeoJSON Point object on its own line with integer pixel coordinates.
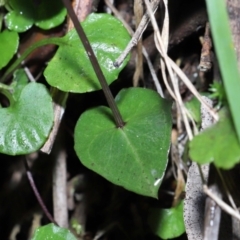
{"type": "Point", "coordinates": [70, 70]}
{"type": "Point", "coordinates": [136, 155]}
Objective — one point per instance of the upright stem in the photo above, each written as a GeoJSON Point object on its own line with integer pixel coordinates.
{"type": "Point", "coordinates": [116, 114]}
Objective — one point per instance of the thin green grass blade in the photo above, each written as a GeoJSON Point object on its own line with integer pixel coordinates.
{"type": "Point", "coordinates": [224, 47]}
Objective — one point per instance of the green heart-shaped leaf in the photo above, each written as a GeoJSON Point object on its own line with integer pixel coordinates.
{"type": "Point", "coordinates": [167, 223]}
{"type": "Point", "coordinates": [8, 46]}
{"type": "Point", "coordinates": [70, 69]}
{"type": "Point", "coordinates": [134, 156]}
{"type": "Point", "coordinates": [25, 125]}
{"type": "Point", "coordinates": [53, 232]}
{"type": "Point", "coordinates": [218, 144]}
{"type": "Point", "coordinates": [45, 14]}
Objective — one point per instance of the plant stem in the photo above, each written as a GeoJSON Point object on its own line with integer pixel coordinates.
{"type": "Point", "coordinates": [116, 113]}
{"type": "Point", "coordinates": [37, 194]}
{"type": "Point", "coordinates": [6, 91]}
{"type": "Point", "coordinates": [54, 40]}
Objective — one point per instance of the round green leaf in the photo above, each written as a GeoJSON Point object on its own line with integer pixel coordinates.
{"type": "Point", "coordinates": [108, 38]}
{"type": "Point", "coordinates": [45, 14]}
{"type": "Point", "coordinates": [167, 223]}
{"type": "Point", "coordinates": [218, 144]}
{"type": "Point", "coordinates": [8, 46]}
{"type": "Point", "coordinates": [134, 156]}
{"type": "Point", "coordinates": [50, 14]}
{"type": "Point", "coordinates": [25, 125]}
{"type": "Point", "coordinates": [16, 21]}
{"type": "Point", "coordinates": [52, 232]}
{"type": "Point", "coordinates": [21, 18]}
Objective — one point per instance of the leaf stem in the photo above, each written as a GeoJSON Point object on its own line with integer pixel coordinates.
{"type": "Point", "coordinates": [6, 91]}
{"type": "Point", "coordinates": [116, 113]}
{"type": "Point", "coordinates": [54, 40]}
{"type": "Point", "coordinates": [37, 194]}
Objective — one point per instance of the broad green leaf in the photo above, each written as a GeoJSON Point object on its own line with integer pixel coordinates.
{"type": "Point", "coordinates": [26, 124]}
{"type": "Point", "coordinates": [134, 156]}
{"type": "Point", "coordinates": [70, 69]}
{"type": "Point", "coordinates": [167, 223]}
{"type": "Point", "coordinates": [8, 46]}
{"type": "Point", "coordinates": [218, 144]}
{"type": "Point", "coordinates": [53, 232]}
{"type": "Point", "coordinates": [224, 47]}
{"type": "Point", "coordinates": [45, 14]}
